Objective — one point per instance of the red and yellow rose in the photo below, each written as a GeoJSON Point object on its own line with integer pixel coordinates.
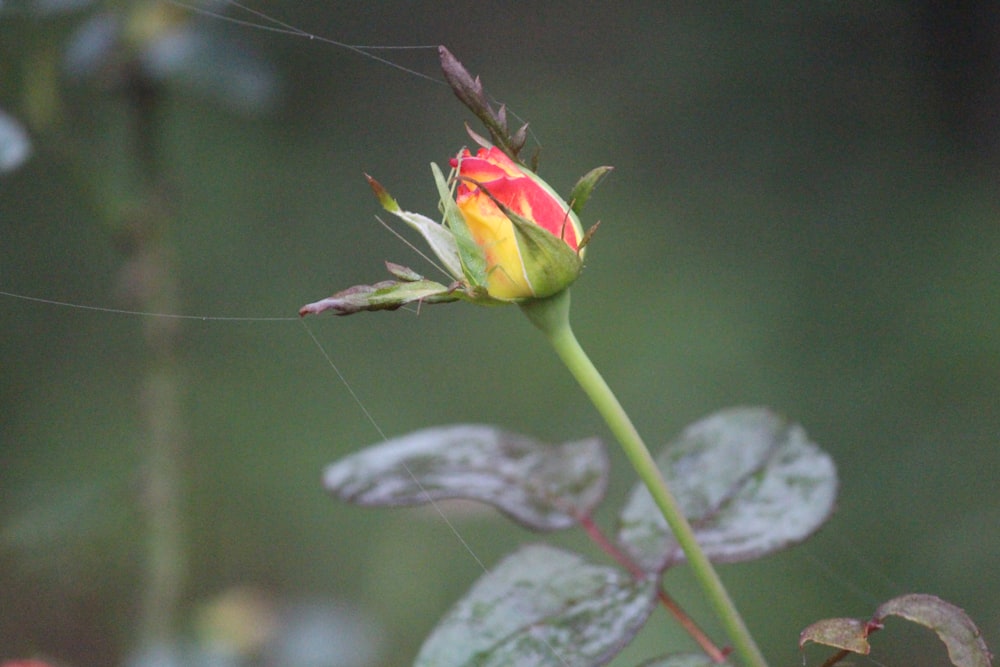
{"type": "Point", "coordinates": [500, 201]}
{"type": "Point", "coordinates": [506, 237]}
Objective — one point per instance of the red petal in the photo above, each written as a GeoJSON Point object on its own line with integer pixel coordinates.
{"type": "Point", "coordinates": [506, 181]}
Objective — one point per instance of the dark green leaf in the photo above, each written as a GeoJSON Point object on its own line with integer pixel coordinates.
{"type": "Point", "coordinates": [541, 606]}
{"type": "Point", "coordinates": [953, 626]}
{"type": "Point", "coordinates": [545, 487]}
{"type": "Point", "coordinates": [750, 482]}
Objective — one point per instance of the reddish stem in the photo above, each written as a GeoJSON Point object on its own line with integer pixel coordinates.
{"type": "Point", "coordinates": [607, 546]}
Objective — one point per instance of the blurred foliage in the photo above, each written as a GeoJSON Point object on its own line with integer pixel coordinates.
{"type": "Point", "coordinates": [804, 214]}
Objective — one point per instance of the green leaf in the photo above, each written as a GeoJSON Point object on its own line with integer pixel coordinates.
{"type": "Point", "coordinates": [750, 482]}
{"type": "Point", "coordinates": [585, 186]}
{"type": "Point", "coordinates": [541, 606]}
{"type": "Point", "coordinates": [684, 660]}
{"type": "Point", "coordinates": [848, 634]}
{"type": "Point", "coordinates": [953, 626]}
{"type": "Point", "coordinates": [386, 295]}
{"type": "Point", "coordinates": [545, 487]}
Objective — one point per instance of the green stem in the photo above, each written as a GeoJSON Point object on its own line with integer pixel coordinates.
{"type": "Point", "coordinates": [551, 316]}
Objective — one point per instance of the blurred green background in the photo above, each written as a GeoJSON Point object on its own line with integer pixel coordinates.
{"type": "Point", "coordinates": [804, 214]}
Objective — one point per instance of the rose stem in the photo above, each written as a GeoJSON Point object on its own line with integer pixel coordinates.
{"type": "Point", "coordinates": [551, 316]}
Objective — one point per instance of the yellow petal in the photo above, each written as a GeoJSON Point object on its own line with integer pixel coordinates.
{"type": "Point", "coordinates": [494, 233]}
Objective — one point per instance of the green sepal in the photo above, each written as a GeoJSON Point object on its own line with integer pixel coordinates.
{"type": "Point", "coordinates": [385, 295]}
{"type": "Point", "coordinates": [409, 287]}
{"type": "Point", "coordinates": [404, 273]}
{"type": "Point", "coordinates": [549, 263]}
{"type": "Point", "coordinates": [571, 216]}
{"type": "Point", "coordinates": [585, 186]}
{"type": "Point", "coordinates": [440, 239]}
{"type": "Point", "coordinates": [585, 241]}
{"type": "Point", "coordinates": [477, 138]}
{"type": "Point", "coordinates": [384, 198]}
{"type": "Point", "coordinates": [470, 254]}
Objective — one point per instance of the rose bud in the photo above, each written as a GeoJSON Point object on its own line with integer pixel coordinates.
{"type": "Point", "coordinates": [529, 236]}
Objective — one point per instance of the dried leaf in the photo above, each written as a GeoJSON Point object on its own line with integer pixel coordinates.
{"type": "Point", "coordinates": [848, 634]}
{"type": "Point", "coordinates": [953, 626]}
